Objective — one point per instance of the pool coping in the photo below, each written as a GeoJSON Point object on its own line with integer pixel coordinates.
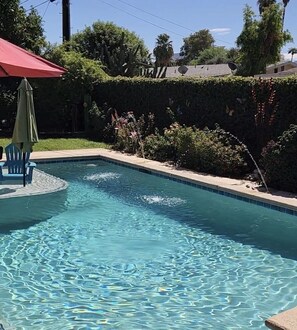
{"type": "Point", "coordinates": [286, 320]}
{"type": "Point", "coordinates": [245, 190]}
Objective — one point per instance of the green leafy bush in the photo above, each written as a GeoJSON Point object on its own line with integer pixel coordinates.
{"type": "Point", "coordinates": [99, 127]}
{"type": "Point", "coordinates": [279, 161]}
{"type": "Point", "coordinates": [159, 147]}
{"type": "Point", "coordinates": [208, 151]}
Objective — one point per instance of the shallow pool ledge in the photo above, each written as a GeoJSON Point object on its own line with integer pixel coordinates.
{"type": "Point", "coordinates": [284, 321]}
{"type": "Point", "coordinates": [42, 183]}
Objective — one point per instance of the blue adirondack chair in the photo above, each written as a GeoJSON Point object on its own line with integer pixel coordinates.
{"type": "Point", "coordinates": [13, 167]}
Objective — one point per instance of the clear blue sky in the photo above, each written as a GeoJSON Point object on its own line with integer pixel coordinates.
{"type": "Point", "coordinates": [148, 19]}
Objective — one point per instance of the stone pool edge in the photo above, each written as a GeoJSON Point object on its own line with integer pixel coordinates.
{"type": "Point", "coordinates": [239, 189]}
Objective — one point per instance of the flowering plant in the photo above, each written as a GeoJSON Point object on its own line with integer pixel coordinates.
{"type": "Point", "coordinates": [128, 132]}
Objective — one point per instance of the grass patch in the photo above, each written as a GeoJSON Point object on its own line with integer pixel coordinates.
{"type": "Point", "coordinates": [61, 144]}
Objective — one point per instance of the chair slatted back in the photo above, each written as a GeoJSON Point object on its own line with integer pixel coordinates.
{"type": "Point", "coordinates": [14, 159]}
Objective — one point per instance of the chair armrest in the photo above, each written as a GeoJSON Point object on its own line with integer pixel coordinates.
{"type": "Point", "coordinates": [31, 164]}
{"type": "Point", "coordinates": [1, 172]}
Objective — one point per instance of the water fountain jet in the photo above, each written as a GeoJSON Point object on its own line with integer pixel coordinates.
{"type": "Point", "coordinates": [250, 155]}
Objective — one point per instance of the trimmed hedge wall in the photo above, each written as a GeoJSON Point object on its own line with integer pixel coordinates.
{"type": "Point", "coordinates": [205, 102]}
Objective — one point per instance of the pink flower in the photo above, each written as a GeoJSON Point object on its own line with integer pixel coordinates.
{"type": "Point", "coordinates": [133, 134]}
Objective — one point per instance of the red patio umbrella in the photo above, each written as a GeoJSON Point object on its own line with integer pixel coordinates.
{"type": "Point", "coordinates": [17, 62]}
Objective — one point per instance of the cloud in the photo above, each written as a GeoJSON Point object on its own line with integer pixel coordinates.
{"type": "Point", "coordinates": [221, 31]}
{"type": "Point", "coordinates": [286, 56]}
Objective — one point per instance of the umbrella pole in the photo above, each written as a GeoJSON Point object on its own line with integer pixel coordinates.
{"type": "Point", "coordinates": [24, 170]}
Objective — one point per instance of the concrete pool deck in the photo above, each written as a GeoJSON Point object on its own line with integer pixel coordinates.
{"type": "Point", "coordinates": [243, 188]}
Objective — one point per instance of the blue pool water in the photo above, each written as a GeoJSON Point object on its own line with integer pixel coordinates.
{"type": "Point", "coordinates": [130, 250]}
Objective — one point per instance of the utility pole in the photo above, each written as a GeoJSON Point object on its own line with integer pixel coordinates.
{"type": "Point", "coordinates": [66, 20]}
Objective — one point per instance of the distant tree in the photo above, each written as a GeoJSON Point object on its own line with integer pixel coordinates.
{"type": "Point", "coordinates": [233, 54]}
{"type": "Point", "coordinates": [121, 52]}
{"type": "Point", "coordinates": [163, 53]}
{"type": "Point", "coordinates": [212, 55]}
{"type": "Point", "coordinates": [292, 51]}
{"type": "Point", "coordinates": [195, 44]}
{"type": "Point", "coordinates": [260, 41]}
{"type": "Point", "coordinates": [262, 4]}
{"type": "Point", "coordinates": [20, 28]}
{"type": "Point", "coordinates": [25, 30]}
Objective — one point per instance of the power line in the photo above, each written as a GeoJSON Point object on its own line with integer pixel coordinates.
{"type": "Point", "coordinates": [42, 3]}
{"type": "Point", "coordinates": [161, 18]}
{"type": "Point", "coordinates": [166, 20]}
{"type": "Point", "coordinates": [46, 9]}
{"type": "Point", "coordinates": [141, 19]}
{"type": "Point", "coordinates": [24, 2]}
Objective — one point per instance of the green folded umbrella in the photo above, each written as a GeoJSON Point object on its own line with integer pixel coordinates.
{"type": "Point", "coordinates": [25, 128]}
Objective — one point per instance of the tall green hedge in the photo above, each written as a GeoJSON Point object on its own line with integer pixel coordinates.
{"type": "Point", "coordinates": [205, 102]}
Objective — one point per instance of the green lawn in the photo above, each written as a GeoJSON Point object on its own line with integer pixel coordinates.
{"type": "Point", "coordinates": [61, 144]}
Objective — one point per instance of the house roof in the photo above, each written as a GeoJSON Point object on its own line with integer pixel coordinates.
{"type": "Point", "coordinates": [280, 74]}
{"type": "Point", "coordinates": [207, 70]}
{"type": "Point", "coordinates": [279, 64]}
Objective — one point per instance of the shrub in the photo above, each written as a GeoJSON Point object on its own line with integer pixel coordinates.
{"type": "Point", "coordinates": [158, 147]}
{"type": "Point", "coordinates": [96, 121]}
{"type": "Point", "coordinates": [279, 161]}
{"type": "Point", "coordinates": [210, 151]}
{"type": "Point", "coordinates": [130, 132]}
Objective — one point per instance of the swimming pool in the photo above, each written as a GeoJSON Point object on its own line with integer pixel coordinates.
{"type": "Point", "coordinates": [135, 251]}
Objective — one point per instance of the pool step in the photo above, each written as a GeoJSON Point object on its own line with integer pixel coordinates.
{"type": "Point", "coordinates": [5, 326]}
{"type": "Point", "coordinates": [286, 320]}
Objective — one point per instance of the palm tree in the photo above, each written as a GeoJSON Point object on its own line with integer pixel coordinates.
{"type": "Point", "coordinates": [163, 50]}
{"type": "Point", "coordinates": [163, 53]}
{"type": "Point", "coordinates": [292, 51]}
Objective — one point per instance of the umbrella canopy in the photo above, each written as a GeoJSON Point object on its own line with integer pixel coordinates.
{"type": "Point", "coordinates": [17, 62]}
{"type": "Point", "coordinates": [25, 128]}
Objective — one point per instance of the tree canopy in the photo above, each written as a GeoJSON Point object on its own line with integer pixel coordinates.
{"type": "Point", "coordinates": [212, 55]}
{"type": "Point", "coordinates": [195, 44]}
{"type": "Point", "coordinates": [82, 73]}
{"type": "Point", "coordinates": [163, 51]}
{"type": "Point", "coordinates": [264, 4]}
{"type": "Point", "coordinates": [119, 50]}
{"type": "Point", "coordinates": [21, 28]}
{"type": "Point", "coordinates": [261, 41]}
